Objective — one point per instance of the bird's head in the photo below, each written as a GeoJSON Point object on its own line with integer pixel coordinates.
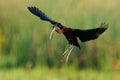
{"type": "Point", "coordinates": [58, 28]}
{"type": "Point", "coordinates": [60, 25]}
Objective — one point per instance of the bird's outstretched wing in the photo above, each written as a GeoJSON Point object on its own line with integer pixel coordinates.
{"type": "Point", "coordinates": [42, 15]}
{"type": "Point", "coordinates": [39, 13]}
{"type": "Point", "coordinates": [90, 34]}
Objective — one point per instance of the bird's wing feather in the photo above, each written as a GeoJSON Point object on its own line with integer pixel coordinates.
{"type": "Point", "coordinates": [41, 14]}
{"type": "Point", "coordinates": [90, 34]}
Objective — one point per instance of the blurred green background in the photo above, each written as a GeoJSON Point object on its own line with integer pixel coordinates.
{"type": "Point", "coordinates": [26, 53]}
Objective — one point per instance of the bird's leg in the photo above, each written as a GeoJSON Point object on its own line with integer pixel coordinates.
{"type": "Point", "coordinates": [67, 50]}
{"type": "Point", "coordinates": [69, 53]}
{"type": "Point", "coordinates": [66, 54]}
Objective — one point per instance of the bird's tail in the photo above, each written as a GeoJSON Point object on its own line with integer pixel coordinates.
{"type": "Point", "coordinates": [39, 13]}
{"type": "Point", "coordinates": [90, 34]}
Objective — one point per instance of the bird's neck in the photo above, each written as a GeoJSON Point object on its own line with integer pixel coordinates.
{"type": "Point", "coordinates": [58, 30]}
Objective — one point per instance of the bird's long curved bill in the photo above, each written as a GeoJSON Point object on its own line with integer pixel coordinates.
{"type": "Point", "coordinates": [52, 32]}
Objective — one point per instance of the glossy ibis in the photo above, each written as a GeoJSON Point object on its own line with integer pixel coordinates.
{"type": "Point", "coordinates": [70, 34]}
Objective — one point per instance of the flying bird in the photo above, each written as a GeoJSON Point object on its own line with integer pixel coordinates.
{"type": "Point", "coordinates": [70, 34]}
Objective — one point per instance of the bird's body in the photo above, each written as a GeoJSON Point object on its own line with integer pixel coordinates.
{"type": "Point", "coordinates": [70, 34]}
{"type": "Point", "coordinates": [71, 37]}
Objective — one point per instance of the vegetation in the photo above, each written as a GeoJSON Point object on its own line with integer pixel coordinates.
{"type": "Point", "coordinates": [57, 74]}
{"type": "Point", "coordinates": [24, 40]}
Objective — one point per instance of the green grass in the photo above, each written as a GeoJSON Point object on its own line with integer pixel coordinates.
{"type": "Point", "coordinates": [57, 74]}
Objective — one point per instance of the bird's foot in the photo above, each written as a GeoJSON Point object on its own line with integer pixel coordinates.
{"type": "Point", "coordinates": [65, 55]}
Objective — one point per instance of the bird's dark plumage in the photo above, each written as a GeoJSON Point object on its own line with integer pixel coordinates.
{"type": "Point", "coordinates": [90, 34]}
{"type": "Point", "coordinates": [39, 13]}
{"type": "Point", "coordinates": [71, 34]}
{"type": "Point", "coordinates": [84, 35]}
